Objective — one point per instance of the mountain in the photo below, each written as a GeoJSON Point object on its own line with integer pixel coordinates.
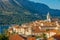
{"type": "Point", "coordinates": [38, 8]}
{"type": "Point", "coordinates": [22, 11]}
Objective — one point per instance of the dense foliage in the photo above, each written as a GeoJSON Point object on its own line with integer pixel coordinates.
{"type": "Point", "coordinates": [3, 37]}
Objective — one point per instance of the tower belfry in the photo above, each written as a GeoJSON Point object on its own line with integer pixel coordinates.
{"type": "Point", "coordinates": [48, 17]}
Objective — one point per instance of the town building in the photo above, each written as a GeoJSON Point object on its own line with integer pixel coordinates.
{"type": "Point", "coordinates": [37, 27]}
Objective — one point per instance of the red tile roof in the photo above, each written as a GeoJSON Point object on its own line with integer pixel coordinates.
{"type": "Point", "coordinates": [31, 38]}
{"type": "Point", "coordinates": [10, 29]}
{"type": "Point", "coordinates": [15, 37]}
{"type": "Point", "coordinates": [53, 31]}
{"type": "Point", "coordinates": [57, 36]}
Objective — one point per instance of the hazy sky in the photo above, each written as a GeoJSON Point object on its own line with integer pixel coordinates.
{"type": "Point", "coordinates": [55, 4]}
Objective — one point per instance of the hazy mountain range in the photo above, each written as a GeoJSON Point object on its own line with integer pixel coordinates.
{"type": "Point", "coordinates": [22, 11]}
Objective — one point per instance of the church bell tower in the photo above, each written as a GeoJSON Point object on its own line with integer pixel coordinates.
{"type": "Point", "coordinates": [48, 17]}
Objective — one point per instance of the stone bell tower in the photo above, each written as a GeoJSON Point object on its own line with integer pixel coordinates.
{"type": "Point", "coordinates": [48, 17]}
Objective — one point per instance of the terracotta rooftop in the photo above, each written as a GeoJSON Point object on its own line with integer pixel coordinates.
{"type": "Point", "coordinates": [53, 31]}
{"type": "Point", "coordinates": [31, 38]}
{"type": "Point", "coordinates": [37, 30]}
{"type": "Point", "coordinates": [15, 37]}
{"type": "Point", "coordinates": [10, 29]}
{"type": "Point", "coordinates": [19, 37]}
{"type": "Point", "coordinates": [57, 36]}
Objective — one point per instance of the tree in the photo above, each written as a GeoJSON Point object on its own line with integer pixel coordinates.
{"type": "Point", "coordinates": [38, 36]}
{"type": "Point", "coordinates": [3, 37]}
{"type": "Point", "coordinates": [5, 31]}
{"type": "Point", "coordinates": [44, 36]}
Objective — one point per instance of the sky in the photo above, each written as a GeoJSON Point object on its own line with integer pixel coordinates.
{"type": "Point", "coordinates": [54, 4]}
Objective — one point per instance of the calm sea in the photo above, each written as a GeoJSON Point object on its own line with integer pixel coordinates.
{"type": "Point", "coordinates": [2, 27]}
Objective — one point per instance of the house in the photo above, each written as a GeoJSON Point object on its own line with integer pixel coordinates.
{"type": "Point", "coordinates": [10, 29]}
{"type": "Point", "coordinates": [36, 31]}
{"type": "Point", "coordinates": [20, 37]}
{"type": "Point", "coordinates": [15, 37]}
{"type": "Point", "coordinates": [56, 37]}
{"type": "Point", "coordinates": [20, 30]}
{"type": "Point", "coordinates": [37, 27]}
{"type": "Point", "coordinates": [31, 38]}
{"type": "Point", "coordinates": [51, 33]}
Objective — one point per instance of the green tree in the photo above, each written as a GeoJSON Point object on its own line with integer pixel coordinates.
{"type": "Point", "coordinates": [38, 36]}
{"type": "Point", "coordinates": [44, 36]}
{"type": "Point", "coordinates": [3, 37]}
{"type": "Point", "coordinates": [5, 31]}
